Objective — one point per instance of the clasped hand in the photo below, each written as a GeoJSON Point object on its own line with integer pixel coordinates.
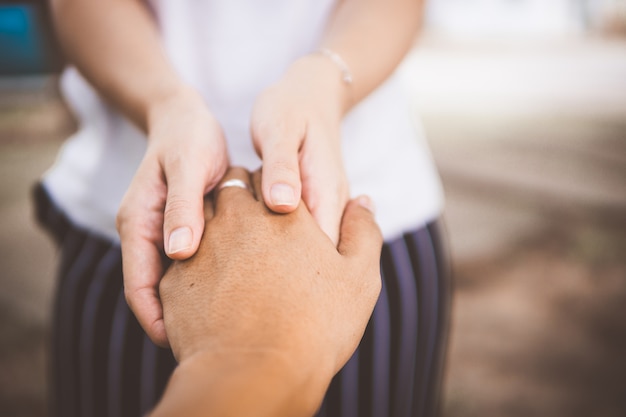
{"type": "Point", "coordinates": [295, 130]}
{"type": "Point", "coordinates": [269, 309]}
{"type": "Point", "coordinates": [265, 284]}
{"type": "Point", "coordinates": [269, 281]}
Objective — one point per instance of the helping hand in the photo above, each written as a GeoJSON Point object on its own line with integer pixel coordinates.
{"type": "Point", "coordinates": [162, 210]}
{"type": "Point", "coordinates": [295, 128]}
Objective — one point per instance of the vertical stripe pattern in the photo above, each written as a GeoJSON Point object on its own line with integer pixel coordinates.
{"type": "Point", "coordinates": [103, 365]}
{"type": "Point", "coordinates": [401, 357]}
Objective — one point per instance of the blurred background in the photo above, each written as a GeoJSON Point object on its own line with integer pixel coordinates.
{"type": "Point", "coordinates": [524, 106]}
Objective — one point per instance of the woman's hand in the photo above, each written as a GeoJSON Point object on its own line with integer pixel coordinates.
{"type": "Point", "coordinates": [296, 131]}
{"type": "Point", "coordinates": [162, 210]}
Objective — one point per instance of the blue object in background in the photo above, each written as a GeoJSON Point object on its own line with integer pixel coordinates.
{"type": "Point", "coordinates": [26, 44]}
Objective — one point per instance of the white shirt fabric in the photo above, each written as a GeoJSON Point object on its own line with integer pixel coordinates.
{"type": "Point", "coordinates": [230, 51]}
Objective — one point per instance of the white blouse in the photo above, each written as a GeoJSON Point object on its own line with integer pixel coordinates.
{"type": "Point", "coordinates": [230, 51]}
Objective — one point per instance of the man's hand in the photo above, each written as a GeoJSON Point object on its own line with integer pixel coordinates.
{"type": "Point", "coordinates": [272, 284]}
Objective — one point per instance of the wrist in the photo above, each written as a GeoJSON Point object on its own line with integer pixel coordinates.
{"type": "Point", "coordinates": [260, 383]}
{"type": "Point", "coordinates": [180, 99]}
{"type": "Point", "coordinates": [346, 73]}
{"type": "Point", "coordinates": [325, 79]}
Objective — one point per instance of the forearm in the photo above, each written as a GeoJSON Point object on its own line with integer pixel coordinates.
{"type": "Point", "coordinates": [116, 46]}
{"type": "Point", "coordinates": [245, 384]}
{"type": "Point", "coordinates": [372, 37]}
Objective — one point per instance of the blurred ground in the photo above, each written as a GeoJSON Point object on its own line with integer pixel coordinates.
{"type": "Point", "coordinates": [531, 144]}
{"type": "Point", "coordinates": [530, 140]}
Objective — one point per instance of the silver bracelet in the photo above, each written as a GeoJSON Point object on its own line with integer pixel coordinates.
{"type": "Point", "coordinates": [346, 74]}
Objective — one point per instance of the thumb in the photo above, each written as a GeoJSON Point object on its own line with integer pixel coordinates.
{"type": "Point", "coordinates": [183, 221]}
{"type": "Point", "coordinates": [360, 236]}
{"type": "Point", "coordinates": [280, 178]}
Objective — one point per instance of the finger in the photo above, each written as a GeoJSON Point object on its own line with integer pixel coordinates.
{"type": "Point", "coordinates": [142, 271]}
{"type": "Point", "coordinates": [183, 217]}
{"type": "Point", "coordinates": [328, 217]}
{"type": "Point", "coordinates": [281, 176]}
{"type": "Point", "coordinates": [360, 236]}
{"type": "Point", "coordinates": [326, 204]}
{"type": "Point", "coordinates": [233, 196]}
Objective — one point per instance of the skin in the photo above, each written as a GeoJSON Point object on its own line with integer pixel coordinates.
{"type": "Point", "coordinates": [295, 126]}
{"type": "Point", "coordinates": [252, 317]}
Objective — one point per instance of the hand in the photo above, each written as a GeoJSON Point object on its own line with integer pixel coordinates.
{"type": "Point", "coordinates": [295, 128]}
{"type": "Point", "coordinates": [162, 210]}
{"type": "Point", "coordinates": [265, 282]}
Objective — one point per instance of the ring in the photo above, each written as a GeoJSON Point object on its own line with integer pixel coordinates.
{"type": "Point", "coordinates": [234, 182]}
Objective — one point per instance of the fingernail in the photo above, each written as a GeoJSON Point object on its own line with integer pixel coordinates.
{"type": "Point", "coordinates": [367, 203]}
{"type": "Point", "coordinates": [283, 195]}
{"type": "Point", "coordinates": [180, 239]}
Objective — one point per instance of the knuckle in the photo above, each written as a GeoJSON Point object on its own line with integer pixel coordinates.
{"type": "Point", "coordinates": [187, 158]}
{"type": "Point", "coordinates": [272, 133]}
{"type": "Point", "coordinates": [265, 128]}
{"type": "Point", "coordinates": [173, 160]}
{"type": "Point", "coordinates": [176, 206]}
{"type": "Point", "coordinates": [284, 168]}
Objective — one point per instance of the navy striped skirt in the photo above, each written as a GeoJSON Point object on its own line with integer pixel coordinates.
{"type": "Point", "coordinates": [102, 363]}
